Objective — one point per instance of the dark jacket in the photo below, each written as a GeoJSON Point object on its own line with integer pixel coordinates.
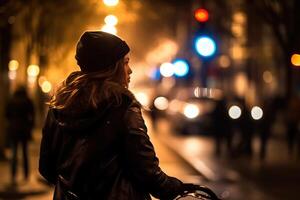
{"type": "Point", "coordinates": [103, 154]}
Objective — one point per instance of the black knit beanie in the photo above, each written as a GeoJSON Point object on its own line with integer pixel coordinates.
{"type": "Point", "coordinates": [97, 50]}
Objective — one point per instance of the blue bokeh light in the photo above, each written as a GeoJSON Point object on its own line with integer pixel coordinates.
{"type": "Point", "coordinates": [205, 46]}
{"type": "Point", "coordinates": [181, 67]}
{"type": "Point", "coordinates": [155, 74]}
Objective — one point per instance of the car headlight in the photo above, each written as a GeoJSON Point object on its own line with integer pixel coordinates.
{"type": "Point", "coordinates": [234, 112]}
{"type": "Point", "coordinates": [191, 111]}
{"type": "Point", "coordinates": [256, 113]}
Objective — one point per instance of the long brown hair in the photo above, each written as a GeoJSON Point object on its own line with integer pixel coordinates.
{"type": "Point", "coordinates": [82, 90]}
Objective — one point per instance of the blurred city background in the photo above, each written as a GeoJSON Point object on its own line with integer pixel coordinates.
{"type": "Point", "coordinates": [219, 81]}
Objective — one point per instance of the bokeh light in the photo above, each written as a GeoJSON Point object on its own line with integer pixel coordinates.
{"type": "Point", "coordinates": [197, 92]}
{"type": "Point", "coordinates": [295, 59]}
{"type": "Point", "coordinates": [205, 46]}
{"type": "Point", "coordinates": [41, 80]}
{"type": "Point", "coordinates": [224, 61]}
{"type": "Point", "coordinates": [33, 70]}
{"type": "Point", "coordinates": [46, 87]}
{"type": "Point", "coordinates": [109, 29]}
{"type": "Point", "coordinates": [111, 20]}
{"type": "Point", "coordinates": [181, 67]}
{"type": "Point", "coordinates": [12, 74]}
{"type": "Point", "coordinates": [256, 113]}
{"type": "Point", "coordinates": [111, 2]}
{"type": "Point", "coordinates": [267, 76]}
{"type": "Point", "coordinates": [234, 112]}
{"type": "Point", "coordinates": [167, 69]}
{"type": "Point", "coordinates": [161, 103]}
{"type": "Point", "coordinates": [13, 65]}
{"type": "Point", "coordinates": [201, 15]}
{"type": "Point", "coordinates": [143, 98]}
{"type": "Point", "coordinates": [191, 111]}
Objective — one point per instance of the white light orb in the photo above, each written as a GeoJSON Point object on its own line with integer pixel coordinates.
{"type": "Point", "coordinates": [161, 103]}
{"type": "Point", "coordinates": [111, 2]}
{"type": "Point", "coordinates": [111, 20]}
{"type": "Point", "coordinates": [166, 69]}
{"type": "Point", "coordinates": [191, 111]}
{"type": "Point", "coordinates": [256, 113]}
{"type": "Point", "coordinates": [235, 112]}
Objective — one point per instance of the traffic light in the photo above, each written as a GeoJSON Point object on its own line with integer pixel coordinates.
{"type": "Point", "coordinates": [205, 46]}
{"type": "Point", "coordinates": [204, 43]}
{"type": "Point", "coordinates": [201, 15]}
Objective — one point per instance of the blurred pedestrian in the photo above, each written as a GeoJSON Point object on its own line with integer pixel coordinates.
{"type": "Point", "coordinates": [247, 130]}
{"type": "Point", "coordinates": [154, 115]}
{"type": "Point", "coordinates": [95, 143]}
{"type": "Point", "coordinates": [222, 129]}
{"type": "Point", "coordinates": [20, 117]}
{"type": "Point", "coordinates": [243, 126]}
{"type": "Point", "coordinates": [265, 126]}
{"type": "Point", "coordinates": [292, 121]}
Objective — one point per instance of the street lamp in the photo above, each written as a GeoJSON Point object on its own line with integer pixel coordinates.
{"type": "Point", "coordinates": [295, 59]}
{"type": "Point", "coordinates": [13, 67]}
{"type": "Point", "coordinates": [111, 2]}
{"type": "Point", "coordinates": [46, 87]}
{"type": "Point", "coordinates": [111, 20]}
{"type": "Point", "coordinates": [32, 72]}
{"type": "Point", "coordinates": [109, 29]}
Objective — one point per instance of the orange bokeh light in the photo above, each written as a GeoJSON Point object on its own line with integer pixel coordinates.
{"type": "Point", "coordinates": [295, 60]}
{"type": "Point", "coordinates": [201, 15]}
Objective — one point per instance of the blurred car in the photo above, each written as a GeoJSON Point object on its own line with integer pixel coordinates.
{"type": "Point", "coordinates": [190, 110]}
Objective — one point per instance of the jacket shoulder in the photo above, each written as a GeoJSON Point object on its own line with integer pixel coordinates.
{"type": "Point", "coordinates": [133, 117]}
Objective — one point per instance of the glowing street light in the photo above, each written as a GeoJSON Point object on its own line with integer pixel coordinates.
{"type": "Point", "coordinates": [13, 65]}
{"type": "Point", "coordinates": [46, 86]}
{"type": "Point", "coordinates": [295, 59]}
{"type": "Point", "coordinates": [109, 29]}
{"type": "Point", "coordinates": [111, 20]}
{"type": "Point", "coordinates": [33, 70]}
{"type": "Point", "coordinates": [111, 2]}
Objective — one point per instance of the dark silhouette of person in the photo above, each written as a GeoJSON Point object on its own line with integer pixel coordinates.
{"type": "Point", "coordinates": [222, 129]}
{"type": "Point", "coordinates": [292, 121]}
{"type": "Point", "coordinates": [95, 143]}
{"type": "Point", "coordinates": [20, 117]}
{"type": "Point", "coordinates": [247, 130]}
{"type": "Point", "coordinates": [270, 109]}
{"type": "Point", "coordinates": [154, 114]}
{"type": "Point", "coordinates": [244, 127]}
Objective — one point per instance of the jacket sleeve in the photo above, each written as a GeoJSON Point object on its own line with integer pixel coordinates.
{"type": "Point", "coordinates": [141, 160]}
{"type": "Point", "coordinates": [47, 161]}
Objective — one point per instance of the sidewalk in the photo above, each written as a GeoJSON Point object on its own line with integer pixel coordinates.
{"type": "Point", "coordinates": [35, 188]}
{"type": "Point", "coordinates": [277, 177]}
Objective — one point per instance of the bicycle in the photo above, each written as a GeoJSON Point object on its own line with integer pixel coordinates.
{"type": "Point", "coordinates": [199, 192]}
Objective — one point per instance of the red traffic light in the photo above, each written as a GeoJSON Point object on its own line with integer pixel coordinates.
{"type": "Point", "coordinates": [201, 15]}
